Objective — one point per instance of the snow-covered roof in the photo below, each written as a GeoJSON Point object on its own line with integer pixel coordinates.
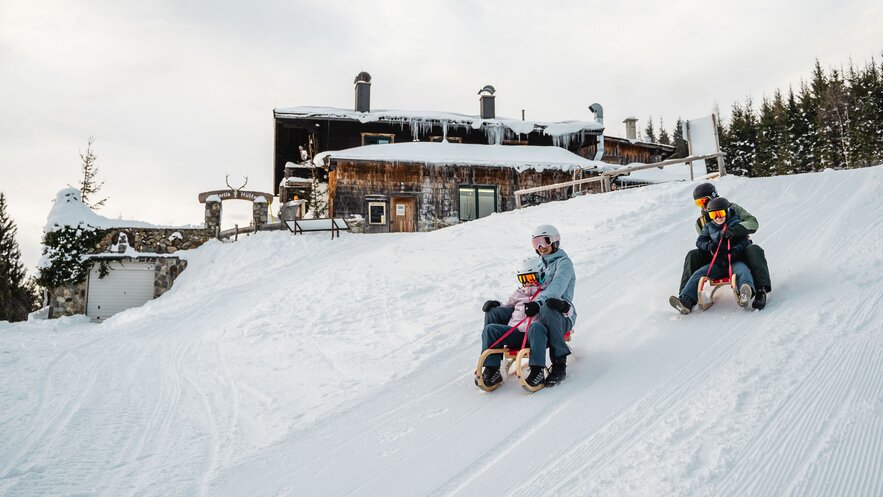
{"type": "Point", "coordinates": [69, 210]}
{"type": "Point", "coordinates": [517, 126]}
{"type": "Point", "coordinates": [520, 157]}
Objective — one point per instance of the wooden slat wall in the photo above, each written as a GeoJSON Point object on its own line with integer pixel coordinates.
{"type": "Point", "coordinates": [435, 186]}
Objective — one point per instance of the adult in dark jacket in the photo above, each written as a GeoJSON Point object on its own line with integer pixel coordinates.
{"type": "Point", "coordinates": [753, 255]}
{"type": "Point", "coordinates": [552, 312]}
{"type": "Point", "coordinates": [725, 248]}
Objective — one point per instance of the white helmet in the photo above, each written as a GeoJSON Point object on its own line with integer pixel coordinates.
{"type": "Point", "coordinates": [549, 234]}
{"type": "Point", "coordinates": [530, 270]}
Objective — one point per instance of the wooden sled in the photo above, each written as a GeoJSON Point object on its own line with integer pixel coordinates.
{"type": "Point", "coordinates": [513, 358]}
{"type": "Point", "coordinates": [706, 297]}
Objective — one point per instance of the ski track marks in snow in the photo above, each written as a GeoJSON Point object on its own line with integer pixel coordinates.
{"type": "Point", "coordinates": [285, 365]}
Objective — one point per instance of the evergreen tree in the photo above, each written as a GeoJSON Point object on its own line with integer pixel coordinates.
{"type": "Point", "coordinates": [681, 148]}
{"type": "Point", "coordinates": [89, 185]}
{"type": "Point", "coordinates": [663, 134]}
{"type": "Point", "coordinates": [740, 142]}
{"type": "Point", "coordinates": [18, 294]}
{"type": "Point", "coordinates": [649, 131]}
{"type": "Point", "coordinates": [797, 128]}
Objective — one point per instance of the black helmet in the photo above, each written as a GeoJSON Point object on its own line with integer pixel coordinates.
{"type": "Point", "coordinates": [704, 190]}
{"type": "Point", "coordinates": [718, 204]}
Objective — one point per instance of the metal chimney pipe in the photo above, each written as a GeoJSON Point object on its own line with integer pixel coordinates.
{"type": "Point", "coordinates": [599, 118]}
{"type": "Point", "coordinates": [363, 92]}
{"type": "Point", "coordinates": [487, 102]}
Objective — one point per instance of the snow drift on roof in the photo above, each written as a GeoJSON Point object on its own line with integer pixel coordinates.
{"type": "Point", "coordinates": [69, 210]}
{"type": "Point", "coordinates": [520, 157]}
{"type": "Point", "coordinates": [516, 125]}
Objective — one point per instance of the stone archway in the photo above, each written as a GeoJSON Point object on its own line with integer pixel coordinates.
{"type": "Point", "coordinates": [213, 199]}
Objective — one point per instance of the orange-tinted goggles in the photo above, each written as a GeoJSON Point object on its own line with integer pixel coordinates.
{"type": "Point", "coordinates": [702, 201]}
{"type": "Point", "coordinates": [524, 279]}
{"type": "Point", "coordinates": [716, 214]}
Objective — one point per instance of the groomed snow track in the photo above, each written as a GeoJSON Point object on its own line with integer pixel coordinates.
{"type": "Point", "coordinates": [302, 366]}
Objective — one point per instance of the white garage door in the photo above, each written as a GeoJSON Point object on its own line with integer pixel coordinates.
{"type": "Point", "coordinates": [129, 284]}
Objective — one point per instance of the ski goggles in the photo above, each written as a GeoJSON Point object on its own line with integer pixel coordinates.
{"type": "Point", "coordinates": [700, 202]}
{"type": "Point", "coordinates": [541, 242]}
{"type": "Point", "coordinates": [717, 214]}
{"type": "Point", "coordinates": [527, 278]}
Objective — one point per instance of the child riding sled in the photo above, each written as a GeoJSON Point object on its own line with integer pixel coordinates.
{"type": "Point", "coordinates": [726, 248]}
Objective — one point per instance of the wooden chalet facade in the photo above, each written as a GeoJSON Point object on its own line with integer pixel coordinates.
{"type": "Point", "coordinates": [426, 186]}
{"type": "Point", "coordinates": [307, 138]}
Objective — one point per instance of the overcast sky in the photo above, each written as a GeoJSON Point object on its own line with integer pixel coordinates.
{"type": "Point", "coordinates": [179, 93]}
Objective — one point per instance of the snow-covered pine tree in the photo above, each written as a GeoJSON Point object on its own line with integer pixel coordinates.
{"type": "Point", "coordinates": [18, 295]}
{"type": "Point", "coordinates": [739, 143]}
{"type": "Point", "coordinates": [89, 184]}
{"type": "Point", "coordinates": [798, 127]}
{"type": "Point", "coordinates": [650, 131]}
{"type": "Point", "coordinates": [681, 148]}
{"type": "Point", "coordinates": [663, 134]}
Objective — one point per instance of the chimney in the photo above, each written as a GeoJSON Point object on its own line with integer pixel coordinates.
{"type": "Point", "coordinates": [363, 92]}
{"type": "Point", "coordinates": [487, 102]}
{"type": "Point", "coordinates": [631, 128]}
{"type": "Point", "coordinates": [598, 111]}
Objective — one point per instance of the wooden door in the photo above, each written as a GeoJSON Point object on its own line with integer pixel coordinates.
{"type": "Point", "coordinates": [404, 214]}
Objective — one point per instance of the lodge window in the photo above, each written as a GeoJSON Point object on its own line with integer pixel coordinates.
{"type": "Point", "coordinates": [514, 142]}
{"type": "Point", "coordinates": [376, 212]}
{"type": "Point", "coordinates": [378, 138]}
{"type": "Point", "coordinates": [451, 139]}
{"type": "Point", "coordinates": [477, 201]}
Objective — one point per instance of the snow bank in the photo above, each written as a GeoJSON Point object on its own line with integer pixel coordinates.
{"type": "Point", "coordinates": [289, 365]}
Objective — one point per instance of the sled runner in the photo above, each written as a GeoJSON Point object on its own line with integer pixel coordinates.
{"type": "Point", "coordinates": [514, 364]}
{"type": "Point", "coordinates": [708, 287]}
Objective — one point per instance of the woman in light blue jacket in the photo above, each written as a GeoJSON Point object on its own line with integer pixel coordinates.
{"type": "Point", "coordinates": [552, 311]}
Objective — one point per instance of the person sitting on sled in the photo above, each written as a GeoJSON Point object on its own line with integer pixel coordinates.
{"type": "Point", "coordinates": [726, 247]}
{"type": "Point", "coordinates": [551, 312]}
{"type": "Point", "coordinates": [753, 255]}
{"type": "Point", "coordinates": [531, 274]}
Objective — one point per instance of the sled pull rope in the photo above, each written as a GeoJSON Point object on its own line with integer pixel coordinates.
{"type": "Point", "coordinates": [719, 243]}
{"type": "Point", "coordinates": [493, 345]}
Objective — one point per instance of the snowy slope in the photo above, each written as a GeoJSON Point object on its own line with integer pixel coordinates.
{"type": "Point", "coordinates": [303, 366]}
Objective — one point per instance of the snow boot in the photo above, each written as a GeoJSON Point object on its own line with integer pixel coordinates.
{"type": "Point", "coordinates": [745, 295]}
{"type": "Point", "coordinates": [759, 299]}
{"type": "Point", "coordinates": [558, 372]}
{"type": "Point", "coordinates": [491, 376]}
{"type": "Point", "coordinates": [536, 378]}
{"type": "Point", "coordinates": [683, 306]}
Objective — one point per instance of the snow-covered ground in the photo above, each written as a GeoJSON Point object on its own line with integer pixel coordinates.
{"type": "Point", "coordinates": [300, 366]}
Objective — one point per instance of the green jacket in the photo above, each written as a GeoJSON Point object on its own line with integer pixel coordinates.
{"type": "Point", "coordinates": [749, 222]}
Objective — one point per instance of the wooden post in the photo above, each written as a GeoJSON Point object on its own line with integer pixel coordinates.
{"type": "Point", "coordinates": [686, 132]}
{"type": "Point", "coordinates": [720, 159]}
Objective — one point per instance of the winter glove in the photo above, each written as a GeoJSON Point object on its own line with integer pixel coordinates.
{"type": "Point", "coordinates": [711, 247]}
{"type": "Point", "coordinates": [531, 309]}
{"type": "Point", "coordinates": [490, 304]}
{"type": "Point", "coordinates": [728, 234]}
{"type": "Point", "coordinates": [559, 305]}
{"type": "Point", "coordinates": [738, 231]}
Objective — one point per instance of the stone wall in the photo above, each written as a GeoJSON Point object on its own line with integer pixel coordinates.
{"type": "Point", "coordinates": [67, 300]}
{"type": "Point", "coordinates": [167, 270]}
{"type": "Point", "coordinates": [154, 240]}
